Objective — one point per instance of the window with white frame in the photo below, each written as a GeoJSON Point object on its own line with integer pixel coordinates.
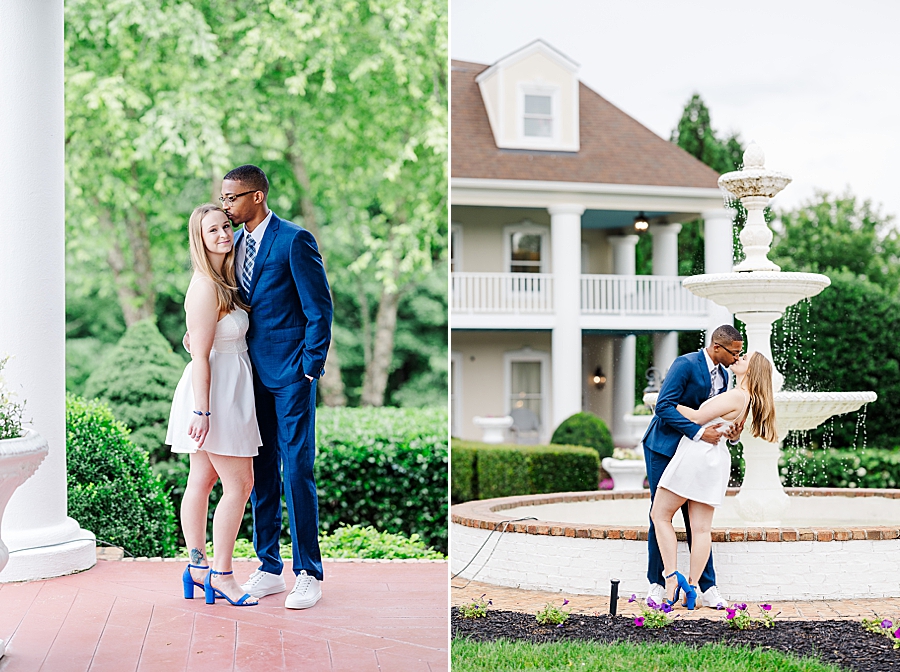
{"type": "Point", "coordinates": [527, 381]}
{"type": "Point", "coordinates": [538, 117]}
{"type": "Point", "coordinates": [526, 248]}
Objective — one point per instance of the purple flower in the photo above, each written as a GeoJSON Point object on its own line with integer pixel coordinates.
{"type": "Point", "coordinates": [639, 621]}
{"type": "Point", "coordinates": [897, 633]}
{"type": "Point", "coordinates": [742, 606]}
{"type": "Point", "coordinates": [490, 603]}
{"type": "Point", "coordinates": [651, 603]}
{"type": "Point", "coordinates": [886, 624]}
{"type": "Point", "coordinates": [632, 598]}
{"type": "Point", "coordinates": [565, 602]}
{"type": "Point", "coordinates": [719, 606]}
{"type": "Point", "coordinates": [560, 625]}
{"type": "Point", "coordinates": [765, 607]}
{"type": "Point", "coordinates": [730, 613]}
{"type": "Point", "coordinates": [666, 608]}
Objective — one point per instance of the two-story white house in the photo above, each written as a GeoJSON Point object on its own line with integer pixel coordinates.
{"type": "Point", "coordinates": [548, 181]}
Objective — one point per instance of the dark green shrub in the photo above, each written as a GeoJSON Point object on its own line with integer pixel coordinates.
{"type": "Point", "coordinates": [137, 381]}
{"type": "Point", "coordinates": [463, 485]}
{"type": "Point", "coordinates": [502, 470]}
{"type": "Point", "coordinates": [861, 468]}
{"type": "Point", "coordinates": [385, 467]}
{"type": "Point", "coordinates": [584, 429]}
{"type": "Point", "coordinates": [112, 491]}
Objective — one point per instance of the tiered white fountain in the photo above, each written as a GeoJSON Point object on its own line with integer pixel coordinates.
{"type": "Point", "coordinates": [757, 293]}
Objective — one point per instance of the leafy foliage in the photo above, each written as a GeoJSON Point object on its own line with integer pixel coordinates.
{"type": "Point", "coordinates": [137, 380]}
{"type": "Point", "coordinates": [500, 470]}
{"type": "Point", "coordinates": [355, 541]}
{"type": "Point", "coordinates": [585, 429]}
{"type": "Point", "coordinates": [10, 410]}
{"type": "Point", "coordinates": [870, 468]}
{"type": "Point", "coordinates": [111, 489]}
{"type": "Point", "coordinates": [552, 615]}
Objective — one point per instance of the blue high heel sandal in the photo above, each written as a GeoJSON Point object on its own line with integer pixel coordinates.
{"type": "Point", "coordinates": [187, 580]}
{"type": "Point", "coordinates": [681, 582]}
{"type": "Point", "coordinates": [213, 593]}
{"type": "Point", "coordinates": [690, 597]}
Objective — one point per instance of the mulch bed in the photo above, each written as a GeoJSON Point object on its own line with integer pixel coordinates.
{"type": "Point", "coordinates": [842, 643]}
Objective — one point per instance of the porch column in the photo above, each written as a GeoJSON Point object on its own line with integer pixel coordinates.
{"type": "Point", "coordinates": [625, 348]}
{"type": "Point", "coordinates": [718, 257]}
{"type": "Point", "coordinates": [565, 243]}
{"type": "Point", "coordinates": [32, 274]}
{"type": "Point", "coordinates": [665, 263]}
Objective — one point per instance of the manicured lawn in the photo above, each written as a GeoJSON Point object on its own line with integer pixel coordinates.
{"type": "Point", "coordinates": [499, 656]}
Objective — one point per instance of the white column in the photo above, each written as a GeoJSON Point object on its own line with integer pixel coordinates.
{"type": "Point", "coordinates": [32, 275]}
{"type": "Point", "coordinates": [565, 242]}
{"type": "Point", "coordinates": [625, 349]}
{"type": "Point", "coordinates": [718, 257]}
{"type": "Point", "coordinates": [665, 263]}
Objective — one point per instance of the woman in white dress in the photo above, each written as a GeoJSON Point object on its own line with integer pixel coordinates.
{"type": "Point", "coordinates": [698, 473]}
{"type": "Point", "coordinates": [213, 415]}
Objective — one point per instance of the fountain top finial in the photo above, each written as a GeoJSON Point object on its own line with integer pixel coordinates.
{"type": "Point", "coordinates": [754, 157]}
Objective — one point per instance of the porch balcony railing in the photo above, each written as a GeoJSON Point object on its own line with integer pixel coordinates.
{"type": "Point", "coordinates": [532, 293]}
{"type": "Point", "coordinates": [638, 295]}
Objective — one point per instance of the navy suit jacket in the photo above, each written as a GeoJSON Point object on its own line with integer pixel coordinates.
{"type": "Point", "coordinates": [290, 301]}
{"type": "Point", "coordinates": [686, 383]}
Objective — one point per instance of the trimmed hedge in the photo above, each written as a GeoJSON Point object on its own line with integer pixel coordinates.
{"type": "Point", "coordinates": [584, 429]}
{"type": "Point", "coordinates": [112, 491]}
{"type": "Point", "coordinates": [385, 467]}
{"type": "Point", "coordinates": [501, 470]}
{"type": "Point", "coordinates": [862, 468]}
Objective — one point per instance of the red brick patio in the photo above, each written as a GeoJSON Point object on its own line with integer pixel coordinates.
{"type": "Point", "coordinates": [127, 615]}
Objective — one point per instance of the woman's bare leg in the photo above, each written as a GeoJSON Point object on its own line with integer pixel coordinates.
{"type": "Point", "coordinates": [701, 516]}
{"type": "Point", "coordinates": [237, 482]}
{"type": "Point", "coordinates": [195, 507]}
{"type": "Point", "coordinates": [665, 504]}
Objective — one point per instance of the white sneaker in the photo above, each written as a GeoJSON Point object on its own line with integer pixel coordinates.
{"type": "Point", "coordinates": [657, 593]}
{"type": "Point", "coordinates": [306, 592]}
{"type": "Point", "coordinates": [263, 583]}
{"type": "Point", "coordinates": [711, 598]}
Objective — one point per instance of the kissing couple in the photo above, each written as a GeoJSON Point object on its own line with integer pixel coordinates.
{"type": "Point", "coordinates": [697, 414]}
{"type": "Point", "coordinates": [259, 314]}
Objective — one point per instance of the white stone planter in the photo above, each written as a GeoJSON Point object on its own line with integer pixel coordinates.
{"type": "Point", "coordinates": [627, 475]}
{"type": "Point", "coordinates": [493, 428]}
{"type": "Point", "coordinates": [637, 425]}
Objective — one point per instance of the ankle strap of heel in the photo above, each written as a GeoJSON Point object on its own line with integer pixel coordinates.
{"type": "Point", "coordinates": [192, 566]}
{"type": "Point", "coordinates": [212, 571]}
{"type": "Point", "coordinates": [672, 574]}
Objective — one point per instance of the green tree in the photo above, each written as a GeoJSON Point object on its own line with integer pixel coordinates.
{"type": "Point", "coordinates": [137, 381]}
{"type": "Point", "coordinates": [695, 135]}
{"type": "Point", "coordinates": [839, 233]}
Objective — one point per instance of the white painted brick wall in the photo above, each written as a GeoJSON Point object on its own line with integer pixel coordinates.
{"type": "Point", "coordinates": [746, 571]}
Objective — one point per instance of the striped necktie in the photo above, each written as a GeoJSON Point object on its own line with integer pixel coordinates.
{"type": "Point", "coordinates": [249, 258]}
{"type": "Point", "coordinates": [712, 383]}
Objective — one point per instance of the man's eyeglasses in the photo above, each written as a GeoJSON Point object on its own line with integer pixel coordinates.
{"type": "Point", "coordinates": [229, 200]}
{"type": "Point", "coordinates": [736, 355]}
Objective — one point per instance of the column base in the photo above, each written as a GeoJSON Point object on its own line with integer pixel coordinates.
{"type": "Point", "coordinates": [57, 558]}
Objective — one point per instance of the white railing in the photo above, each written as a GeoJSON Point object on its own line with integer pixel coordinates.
{"type": "Point", "coordinates": [638, 295]}
{"type": "Point", "coordinates": [501, 293]}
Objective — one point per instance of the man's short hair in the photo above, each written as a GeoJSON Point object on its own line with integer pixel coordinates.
{"type": "Point", "coordinates": [726, 334]}
{"type": "Point", "coordinates": [251, 176]}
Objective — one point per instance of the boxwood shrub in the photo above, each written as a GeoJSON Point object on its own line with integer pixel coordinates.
{"type": "Point", "coordinates": [584, 429]}
{"type": "Point", "coordinates": [860, 468]}
{"type": "Point", "coordinates": [112, 491]}
{"type": "Point", "coordinates": [501, 470]}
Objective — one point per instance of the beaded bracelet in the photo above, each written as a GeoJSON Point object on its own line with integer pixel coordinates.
{"type": "Point", "coordinates": [202, 413]}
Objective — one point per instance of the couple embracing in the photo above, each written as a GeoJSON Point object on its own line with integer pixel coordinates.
{"type": "Point", "coordinates": [697, 414]}
{"type": "Point", "coordinates": [258, 313]}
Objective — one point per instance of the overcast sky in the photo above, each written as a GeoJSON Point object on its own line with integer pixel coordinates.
{"type": "Point", "coordinates": [816, 83]}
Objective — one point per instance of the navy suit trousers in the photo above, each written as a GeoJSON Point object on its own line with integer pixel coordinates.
{"type": "Point", "coordinates": [656, 465]}
{"type": "Point", "coordinates": [285, 462]}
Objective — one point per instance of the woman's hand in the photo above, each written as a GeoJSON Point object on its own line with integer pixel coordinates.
{"type": "Point", "coordinates": [198, 429]}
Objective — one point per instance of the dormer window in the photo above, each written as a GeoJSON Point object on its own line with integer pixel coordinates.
{"type": "Point", "coordinates": [538, 116]}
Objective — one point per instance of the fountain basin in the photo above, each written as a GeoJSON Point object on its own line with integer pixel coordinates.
{"type": "Point", "coordinates": [756, 291]}
{"type": "Point", "coordinates": [808, 410]}
{"type": "Point", "coordinates": [831, 543]}
{"type": "Point", "coordinates": [19, 459]}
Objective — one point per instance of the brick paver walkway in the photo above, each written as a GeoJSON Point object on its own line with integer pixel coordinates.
{"type": "Point", "coordinates": [532, 601]}
{"type": "Point", "coordinates": [132, 616]}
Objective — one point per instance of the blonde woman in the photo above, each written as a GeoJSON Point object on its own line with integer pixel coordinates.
{"type": "Point", "coordinates": [699, 471]}
{"type": "Point", "coordinates": [213, 415]}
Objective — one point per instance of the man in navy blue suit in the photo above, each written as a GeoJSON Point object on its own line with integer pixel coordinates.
{"type": "Point", "coordinates": [691, 380]}
{"type": "Point", "coordinates": [282, 278]}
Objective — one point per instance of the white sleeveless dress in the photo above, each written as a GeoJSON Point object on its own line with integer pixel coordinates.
{"type": "Point", "coordinates": [699, 471]}
{"type": "Point", "coordinates": [233, 429]}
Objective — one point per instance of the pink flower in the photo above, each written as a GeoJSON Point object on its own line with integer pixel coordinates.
{"type": "Point", "coordinates": [639, 621]}
{"type": "Point", "coordinates": [765, 607]}
{"type": "Point", "coordinates": [897, 633]}
{"type": "Point", "coordinates": [565, 602]}
{"type": "Point", "coordinates": [730, 613]}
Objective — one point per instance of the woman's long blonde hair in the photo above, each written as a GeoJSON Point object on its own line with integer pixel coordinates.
{"type": "Point", "coordinates": [762, 398]}
{"type": "Point", "coordinates": [227, 293]}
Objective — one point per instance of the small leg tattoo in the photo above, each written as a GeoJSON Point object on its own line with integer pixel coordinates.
{"type": "Point", "coordinates": [196, 556]}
